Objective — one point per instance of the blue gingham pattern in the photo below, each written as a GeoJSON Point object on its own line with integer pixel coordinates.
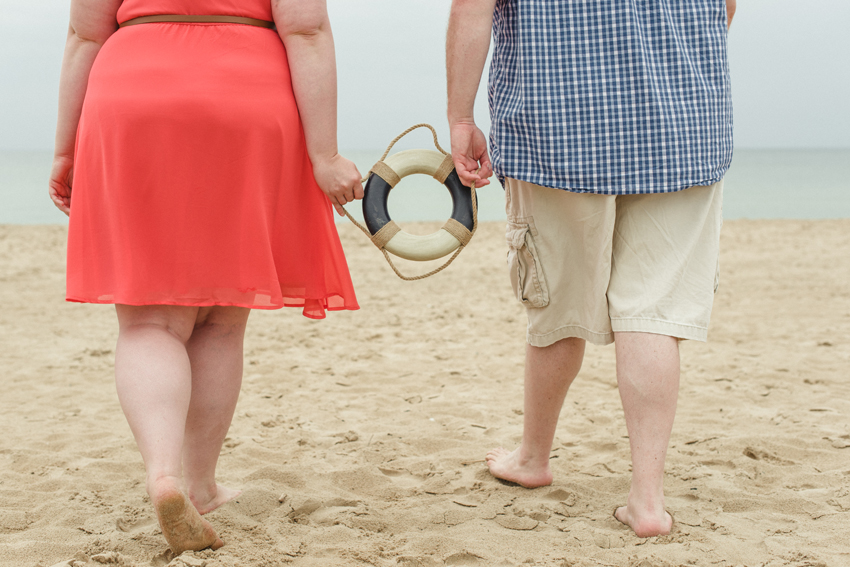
{"type": "Point", "coordinates": [611, 96]}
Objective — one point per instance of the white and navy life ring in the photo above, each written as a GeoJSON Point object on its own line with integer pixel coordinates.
{"type": "Point", "coordinates": [386, 233]}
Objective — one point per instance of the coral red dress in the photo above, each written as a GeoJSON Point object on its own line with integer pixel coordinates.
{"type": "Point", "coordinates": [192, 183]}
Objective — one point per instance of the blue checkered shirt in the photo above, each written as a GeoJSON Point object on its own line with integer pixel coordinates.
{"type": "Point", "coordinates": [611, 96]}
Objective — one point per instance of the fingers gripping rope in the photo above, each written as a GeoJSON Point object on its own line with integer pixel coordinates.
{"type": "Point", "coordinates": [456, 229]}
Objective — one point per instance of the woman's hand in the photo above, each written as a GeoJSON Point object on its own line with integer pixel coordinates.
{"type": "Point", "coordinates": [61, 180]}
{"type": "Point", "coordinates": [339, 179]}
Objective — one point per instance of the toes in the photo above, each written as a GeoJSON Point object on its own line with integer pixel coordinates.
{"type": "Point", "coordinates": [223, 496]}
{"type": "Point", "coordinates": [497, 453]}
{"type": "Point", "coordinates": [230, 494]}
{"type": "Point", "coordinates": [620, 515]}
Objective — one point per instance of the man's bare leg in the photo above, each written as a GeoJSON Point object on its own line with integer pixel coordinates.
{"type": "Point", "coordinates": [549, 372]}
{"type": "Point", "coordinates": [215, 351]}
{"type": "Point", "coordinates": [648, 378]}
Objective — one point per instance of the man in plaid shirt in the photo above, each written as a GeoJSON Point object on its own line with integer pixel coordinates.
{"type": "Point", "coordinates": [611, 133]}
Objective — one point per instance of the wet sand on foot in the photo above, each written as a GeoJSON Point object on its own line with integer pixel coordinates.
{"type": "Point", "coordinates": [360, 439]}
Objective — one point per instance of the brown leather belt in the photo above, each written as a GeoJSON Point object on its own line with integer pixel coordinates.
{"type": "Point", "coordinates": [199, 20]}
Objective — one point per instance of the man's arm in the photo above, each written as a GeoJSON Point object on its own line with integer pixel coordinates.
{"type": "Point", "coordinates": [467, 42]}
{"type": "Point", "coordinates": [731, 6]}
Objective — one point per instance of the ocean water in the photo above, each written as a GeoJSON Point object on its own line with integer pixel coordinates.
{"type": "Point", "coordinates": [762, 184]}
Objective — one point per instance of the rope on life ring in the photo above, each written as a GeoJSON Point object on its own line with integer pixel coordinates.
{"type": "Point", "coordinates": [387, 236]}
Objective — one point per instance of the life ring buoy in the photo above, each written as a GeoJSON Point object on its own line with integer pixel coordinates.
{"type": "Point", "coordinates": [386, 233]}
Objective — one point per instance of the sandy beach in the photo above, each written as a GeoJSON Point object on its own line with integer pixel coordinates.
{"type": "Point", "coordinates": [359, 440]}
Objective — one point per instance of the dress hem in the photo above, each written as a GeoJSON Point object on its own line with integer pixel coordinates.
{"type": "Point", "coordinates": [203, 303]}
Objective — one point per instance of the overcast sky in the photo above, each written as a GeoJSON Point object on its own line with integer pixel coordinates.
{"type": "Point", "coordinates": [790, 71]}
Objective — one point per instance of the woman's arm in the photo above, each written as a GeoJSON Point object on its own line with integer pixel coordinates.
{"type": "Point", "coordinates": [92, 22]}
{"type": "Point", "coordinates": [305, 29]}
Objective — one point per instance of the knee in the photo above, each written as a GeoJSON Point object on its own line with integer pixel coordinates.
{"type": "Point", "coordinates": [177, 321]}
{"type": "Point", "coordinates": [222, 321]}
{"type": "Point", "coordinates": [571, 347]}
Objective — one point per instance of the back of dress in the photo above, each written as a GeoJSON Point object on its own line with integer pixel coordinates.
{"type": "Point", "coordinates": [260, 9]}
{"type": "Point", "coordinates": [192, 181]}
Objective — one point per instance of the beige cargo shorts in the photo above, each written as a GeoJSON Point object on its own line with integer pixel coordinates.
{"type": "Point", "coordinates": [588, 265]}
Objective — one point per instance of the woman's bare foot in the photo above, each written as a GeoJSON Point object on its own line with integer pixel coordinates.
{"type": "Point", "coordinates": [182, 526]}
{"type": "Point", "coordinates": [206, 501]}
{"type": "Point", "coordinates": [511, 467]}
{"type": "Point", "coordinates": [645, 524]}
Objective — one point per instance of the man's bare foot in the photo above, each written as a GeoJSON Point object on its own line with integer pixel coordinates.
{"type": "Point", "coordinates": [182, 526]}
{"type": "Point", "coordinates": [645, 524]}
{"type": "Point", "coordinates": [207, 501]}
{"type": "Point", "coordinates": [509, 466]}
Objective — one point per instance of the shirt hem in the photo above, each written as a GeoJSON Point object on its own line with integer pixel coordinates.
{"type": "Point", "coordinates": [615, 192]}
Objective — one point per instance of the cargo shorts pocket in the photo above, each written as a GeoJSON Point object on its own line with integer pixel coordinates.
{"type": "Point", "coordinates": [524, 265]}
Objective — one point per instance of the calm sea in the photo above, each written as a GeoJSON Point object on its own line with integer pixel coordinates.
{"type": "Point", "coordinates": [762, 184]}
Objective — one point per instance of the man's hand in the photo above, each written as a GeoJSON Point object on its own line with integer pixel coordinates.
{"type": "Point", "coordinates": [469, 152]}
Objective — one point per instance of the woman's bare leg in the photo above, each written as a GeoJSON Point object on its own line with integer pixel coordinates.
{"type": "Point", "coordinates": [154, 381]}
{"type": "Point", "coordinates": [215, 352]}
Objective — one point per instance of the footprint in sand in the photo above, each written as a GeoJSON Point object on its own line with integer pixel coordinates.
{"type": "Point", "coordinates": [418, 561]}
{"type": "Point", "coordinates": [463, 559]}
{"type": "Point", "coordinates": [321, 513]}
{"type": "Point", "coordinates": [519, 523]}
{"type": "Point", "coordinates": [257, 502]}
{"type": "Point", "coordinates": [134, 526]}
{"type": "Point", "coordinates": [402, 478]}
{"type": "Point", "coordinates": [564, 496]}
{"type": "Point", "coordinates": [766, 456]}
{"type": "Point", "coordinates": [106, 558]}
{"type": "Point", "coordinates": [332, 511]}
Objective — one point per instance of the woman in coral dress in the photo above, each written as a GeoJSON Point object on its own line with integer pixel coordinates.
{"type": "Point", "coordinates": [197, 159]}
